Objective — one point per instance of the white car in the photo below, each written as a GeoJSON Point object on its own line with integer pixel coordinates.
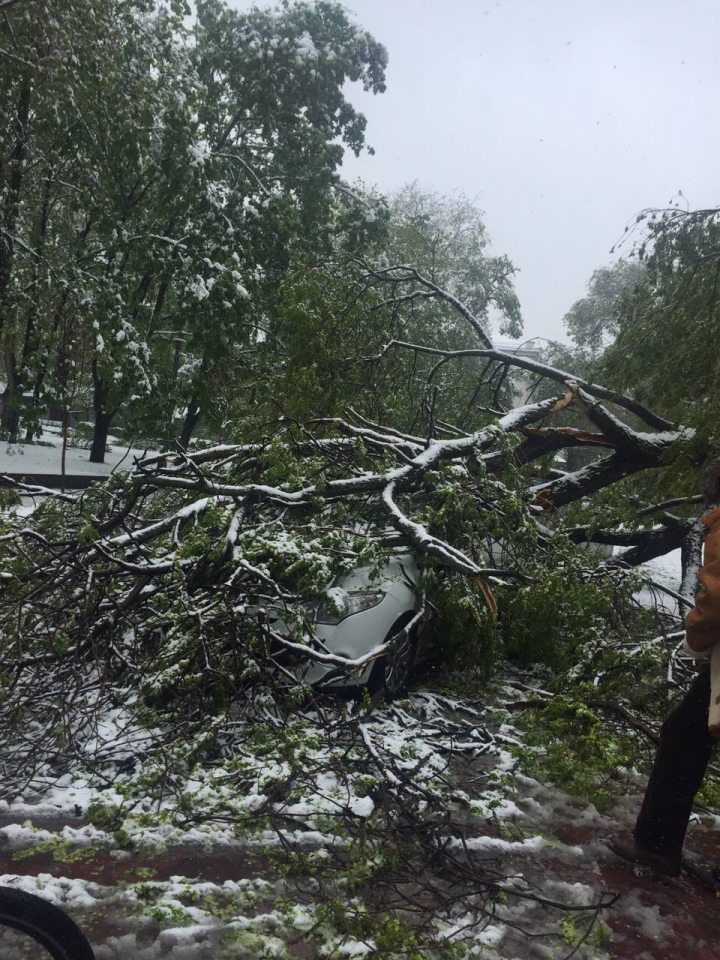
{"type": "Point", "coordinates": [360, 614]}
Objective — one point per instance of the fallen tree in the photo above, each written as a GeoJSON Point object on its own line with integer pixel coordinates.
{"type": "Point", "coordinates": [209, 531]}
{"type": "Point", "coordinates": [138, 617]}
{"type": "Point", "coordinates": [180, 547]}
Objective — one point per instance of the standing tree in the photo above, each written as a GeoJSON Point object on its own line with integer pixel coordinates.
{"type": "Point", "coordinates": [272, 128]}
{"type": "Point", "coordinates": [592, 322]}
{"type": "Point", "coordinates": [97, 84]}
{"type": "Point", "coordinates": [48, 64]}
{"type": "Point", "coordinates": [445, 239]}
{"type": "Point", "coordinates": [194, 162]}
{"type": "Point", "coordinates": [666, 349]}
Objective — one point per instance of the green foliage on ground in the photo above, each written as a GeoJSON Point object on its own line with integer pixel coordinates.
{"type": "Point", "coordinates": [572, 746]}
{"type": "Point", "coordinates": [566, 611]}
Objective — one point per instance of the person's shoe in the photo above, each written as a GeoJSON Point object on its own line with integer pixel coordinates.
{"type": "Point", "coordinates": [630, 850]}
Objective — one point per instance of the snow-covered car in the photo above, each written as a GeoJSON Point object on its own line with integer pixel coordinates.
{"type": "Point", "coordinates": [358, 615]}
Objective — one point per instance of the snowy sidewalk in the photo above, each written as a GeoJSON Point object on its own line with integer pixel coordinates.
{"type": "Point", "coordinates": [183, 903]}
{"type": "Point", "coordinates": [654, 918]}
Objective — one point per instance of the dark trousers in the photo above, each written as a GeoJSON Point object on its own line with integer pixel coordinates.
{"type": "Point", "coordinates": [680, 764]}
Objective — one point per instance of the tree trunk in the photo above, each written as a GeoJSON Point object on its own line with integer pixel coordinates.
{"type": "Point", "coordinates": [16, 380]}
{"type": "Point", "coordinates": [10, 421]}
{"type": "Point", "coordinates": [43, 365]}
{"type": "Point", "coordinates": [12, 396]}
{"type": "Point", "coordinates": [10, 213]}
{"type": "Point", "coordinates": [691, 559]}
{"type": "Point", "coordinates": [63, 458]}
{"type": "Point", "coordinates": [103, 417]}
{"type": "Point", "coordinates": [12, 199]}
{"type": "Point", "coordinates": [191, 418]}
{"type": "Point", "coordinates": [10, 411]}
{"type": "Point", "coordinates": [193, 411]}
{"type": "Point", "coordinates": [99, 440]}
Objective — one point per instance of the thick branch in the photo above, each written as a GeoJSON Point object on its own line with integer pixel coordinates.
{"type": "Point", "coordinates": [618, 538]}
{"type": "Point", "coordinates": [435, 452]}
{"type": "Point", "coordinates": [656, 544]}
{"type": "Point", "coordinates": [691, 559]}
{"type": "Point", "coordinates": [544, 440]}
{"type": "Point", "coordinates": [591, 478]}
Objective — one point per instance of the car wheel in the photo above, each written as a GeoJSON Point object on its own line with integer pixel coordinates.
{"type": "Point", "coordinates": [391, 674]}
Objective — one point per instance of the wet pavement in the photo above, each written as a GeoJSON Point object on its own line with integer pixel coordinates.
{"type": "Point", "coordinates": [654, 918]}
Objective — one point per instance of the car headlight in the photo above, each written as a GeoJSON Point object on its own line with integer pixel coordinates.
{"type": "Point", "coordinates": [348, 605]}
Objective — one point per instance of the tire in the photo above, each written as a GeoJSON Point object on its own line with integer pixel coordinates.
{"type": "Point", "coordinates": [391, 674]}
{"type": "Point", "coordinates": [28, 922]}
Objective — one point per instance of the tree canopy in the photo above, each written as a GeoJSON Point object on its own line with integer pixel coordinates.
{"type": "Point", "coordinates": [202, 161]}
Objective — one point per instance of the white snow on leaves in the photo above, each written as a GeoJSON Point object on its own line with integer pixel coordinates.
{"type": "Point", "coordinates": [306, 49]}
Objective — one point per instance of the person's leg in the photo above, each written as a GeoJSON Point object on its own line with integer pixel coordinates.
{"type": "Point", "coordinates": [678, 771]}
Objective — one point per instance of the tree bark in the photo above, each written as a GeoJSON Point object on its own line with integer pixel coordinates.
{"type": "Point", "coordinates": [103, 417]}
{"type": "Point", "coordinates": [45, 360]}
{"type": "Point", "coordinates": [63, 457]}
{"type": "Point", "coordinates": [57, 320]}
{"type": "Point", "coordinates": [691, 559]}
{"type": "Point", "coordinates": [191, 418]}
{"type": "Point", "coordinates": [588, 480]}
{"type": "Point", "coordinates": [655, 543]}
{"type": "Point", "coordinates": [100, 435]}
{"type": "Point", "coordinates": [193, 412]}
{"type": "Point", "coordinates": [10, 420]}
{"type": "Point", "coordinates": [12, 204]}
{"type": "Point", "coordinates": [16, 382]}
{"type": "Point", "coordinates": [10, 411]}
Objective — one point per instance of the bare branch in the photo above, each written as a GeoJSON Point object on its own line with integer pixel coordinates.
{"type": "Point", "coordinates": [542, 370]}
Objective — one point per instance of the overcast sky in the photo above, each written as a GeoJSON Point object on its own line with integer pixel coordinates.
{"type": "Point", "coordinates": [562, 118]}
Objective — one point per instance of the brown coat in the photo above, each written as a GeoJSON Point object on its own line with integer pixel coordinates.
{"type": "Point", "coordinates": [703, 622]}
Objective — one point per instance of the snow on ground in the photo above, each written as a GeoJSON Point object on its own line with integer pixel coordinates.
{"type": "Point", "coordinates": [39, 458]}
{"type": "Point", "coordinates": [216, 896]}
{"type": "Point", "coordinates": [667, 572]}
